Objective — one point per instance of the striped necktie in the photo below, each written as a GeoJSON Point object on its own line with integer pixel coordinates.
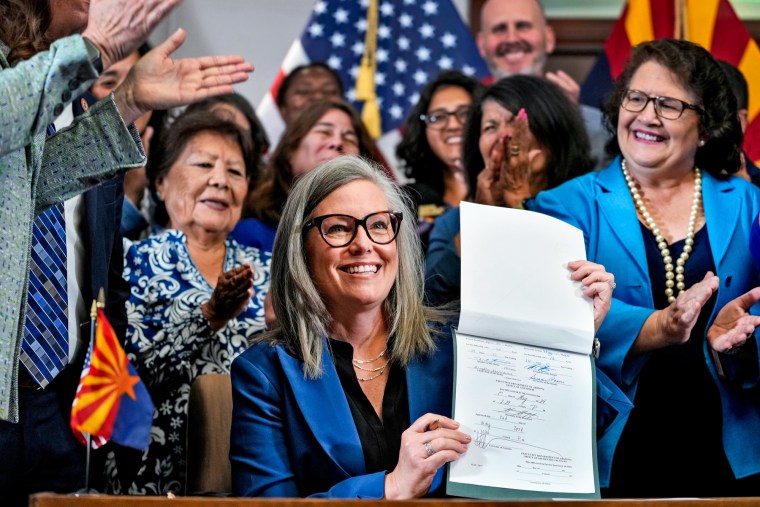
{"type": "Point", "coordinates": [45, 345]}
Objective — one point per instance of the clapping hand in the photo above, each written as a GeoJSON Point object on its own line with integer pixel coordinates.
{"type": "Point", "coordinates": [489, 187]}
{"type": "Point", "coordinates": [158, 82]}
{"type": "Point", "coordinates": [514, 168]}
{"type": "Point", "coordinates": [672, 325]}
{"type": "Point", "coordinates": [519, 166]}
{"type": "Point", "coordinates": [118, 27]}
{"type": "Point", "coordinates": [733, 324]}
{"type": "Point", "coordinates": [234, 289]}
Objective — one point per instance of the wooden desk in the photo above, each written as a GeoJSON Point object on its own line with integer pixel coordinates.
{"type": "Point", "coordinates": [51, 500]}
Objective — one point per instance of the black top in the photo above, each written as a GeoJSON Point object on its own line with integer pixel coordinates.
{"type": "Point", "coordinates": [381, 440]}
{"type": "Point", "coordinates": [672, 443]}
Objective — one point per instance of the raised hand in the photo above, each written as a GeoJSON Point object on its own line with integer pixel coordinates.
{"type": "Point", "coordinates": [523, 159]}
{"type": "Point", "coordinates": [158, 82]}
{"type": "Point", "coordinates": [673, 325]}
{"type": "Point", "coordinates": [733, 324]}
{"type": "Point", "coordinates": [598, 284]}
{"type": "Point", "coordinates": [429, 443]}
{"type": "Point", "coordinates": [489, 186]}
{"type": "Point", "coordinates": [118, 27]}
{"type": "Point", "coordinates": [234, 289]}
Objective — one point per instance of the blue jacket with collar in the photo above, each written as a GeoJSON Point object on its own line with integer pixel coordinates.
{"type": "Point", "coordinates": [600, 204]}
{"type": "Point", "coordinates": [295, 437]}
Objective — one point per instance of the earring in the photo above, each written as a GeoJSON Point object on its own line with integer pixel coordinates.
{"type": "Point", "coordinates": [701, 143]}
{"type": "Point", "coordinates": [158, 197]}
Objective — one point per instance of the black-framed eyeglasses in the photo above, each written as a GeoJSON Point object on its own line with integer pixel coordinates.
{"type": "Point", "coordinates": [339, 230]}
{"type": "Point", "coordinates": [669, 108]}
{"type": "Point", "coordinates": [439, 118]}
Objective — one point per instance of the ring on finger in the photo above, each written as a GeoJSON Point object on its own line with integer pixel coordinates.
{"type": "Point", "coordinates": [428, 448]}
{"type": "Point", "coordinates": [612, 284]}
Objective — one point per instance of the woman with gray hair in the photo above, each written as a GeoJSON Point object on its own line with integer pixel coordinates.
{"type": "Point", "coordinates": [349, 397]}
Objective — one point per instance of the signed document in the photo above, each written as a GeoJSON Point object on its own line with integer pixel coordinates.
{"type": "Point", "coordinates": [524, 386]}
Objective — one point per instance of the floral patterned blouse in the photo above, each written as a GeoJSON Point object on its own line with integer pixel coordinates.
{"type": "Point", "coordinates": [171, 343]}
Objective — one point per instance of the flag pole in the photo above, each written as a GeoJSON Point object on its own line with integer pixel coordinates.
{"type": "Point", "coordinates": [365, 81]}
{"type": "Point", "coordinates": [680, 31]}
{"type": "Point", "coordinates": [96, 304]}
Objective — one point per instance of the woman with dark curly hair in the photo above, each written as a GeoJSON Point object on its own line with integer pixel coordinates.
{"type": "Point", "coordinates": [663, 217]}
{"type": "Point", "coordinates": [431, 150]}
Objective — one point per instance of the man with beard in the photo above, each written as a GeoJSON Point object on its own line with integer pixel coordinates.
{"type": "Point", "coordinates": [514, 38]}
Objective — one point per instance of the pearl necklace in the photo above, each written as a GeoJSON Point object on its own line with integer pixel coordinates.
{"type": "Point", "coordinates": [661, 243]}
{"type": "Point", "coordinates": [381, 369]}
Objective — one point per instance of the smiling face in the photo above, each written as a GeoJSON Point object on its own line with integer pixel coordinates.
{"type": "Point", "coordinates": [514, 37]}
{"type": "Point", "coordinates": [446, 143]}
{"type": "Point", "coordinates": [651, 143]}
{"type": "Point", "coordinates": [205, 188]}
{"type": "Point", "coordinates": [331, 136]}
{"type": "Point", "coordinates": [359, 276]}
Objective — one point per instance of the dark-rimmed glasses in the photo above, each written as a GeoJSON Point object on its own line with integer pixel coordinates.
{"type": "Point", "coordinates": [669, 108]}
{"type": "Point", "coordinates": [439, 118]}
{"type": "Point", "coordinates": [339, 230]}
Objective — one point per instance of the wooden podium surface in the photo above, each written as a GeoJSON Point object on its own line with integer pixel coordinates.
{"type": "Point", "coordinates": [51, 500]}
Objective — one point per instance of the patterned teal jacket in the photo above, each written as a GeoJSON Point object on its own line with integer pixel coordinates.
{"type": "Point", "coordinates": [36, 172]}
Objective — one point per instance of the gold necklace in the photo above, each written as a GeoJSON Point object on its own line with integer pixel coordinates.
{"type": "Point", "coordinates": [381, 369]}
{"type": "Point", "coordinates": [365, 361]}
{"type": "Point", "coordinates": [373, 377]}
{"type": "Point", "coordinates": [661, 243]}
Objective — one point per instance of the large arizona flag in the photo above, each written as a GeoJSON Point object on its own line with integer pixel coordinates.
{"type": "Point", "coordinates": [112, 402]}
{"type": "Point", "coordinates": [385, 52]}
{"type": "Point", "coordinates": [711, 23]}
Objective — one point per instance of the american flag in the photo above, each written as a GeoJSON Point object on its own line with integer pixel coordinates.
{"type": "Point", "coordinates": [416, 40]}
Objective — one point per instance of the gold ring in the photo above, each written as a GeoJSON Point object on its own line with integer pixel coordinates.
{"type": "Point", "coordinates": [514, 150]}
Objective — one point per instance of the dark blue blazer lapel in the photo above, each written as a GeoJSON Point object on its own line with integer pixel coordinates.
{"type": "Point", "coordinates": [326, 411]}
{"type": "Point", "coordinates": [430, 387]}
{"type": "Point", "coordinates": [430, 381]}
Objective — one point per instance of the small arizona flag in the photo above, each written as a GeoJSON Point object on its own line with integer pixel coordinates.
{"type": "Point", "coordinates": [112, 402]}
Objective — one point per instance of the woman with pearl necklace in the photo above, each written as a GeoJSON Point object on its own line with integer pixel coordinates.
{"type": "Point", "coordinates": [671, 225]}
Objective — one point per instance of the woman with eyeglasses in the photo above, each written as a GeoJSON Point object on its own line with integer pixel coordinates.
{"type": "Point", "coordinates": [674, 229]}
{"type": "Point", "coordinates": [431, 149]}
{"type": "Point", "coordinates": [321, 131]}
{"type": "Point", "coordinates": [350, 396]}
{"type": "Point", "coordinates": [523, 136]}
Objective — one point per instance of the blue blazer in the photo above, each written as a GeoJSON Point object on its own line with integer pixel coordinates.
{"type": "Point", "coordinates": [295, 437]}
{"type": "Point", "coordinates": [600, 204]}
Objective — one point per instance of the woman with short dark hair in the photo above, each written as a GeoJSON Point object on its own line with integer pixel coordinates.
{"type": "Point", "coordinates": [665, 216]}
{"type": "Point", "coordinates": [197, 295]}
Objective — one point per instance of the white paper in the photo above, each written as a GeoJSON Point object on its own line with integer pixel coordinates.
{"type": "Point", "coordinates": [528, 411]}
{"type": "Point", "coordinates": [515, 282]}
{"type": "Point", "coordinates": [523, 374]}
